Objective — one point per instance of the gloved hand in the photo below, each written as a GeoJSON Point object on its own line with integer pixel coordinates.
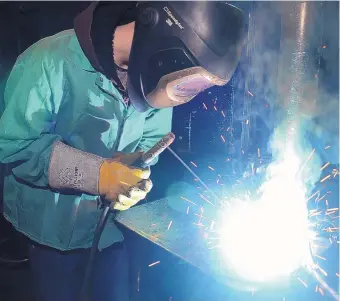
{"type": "Point", "coordinates": [123, 184]}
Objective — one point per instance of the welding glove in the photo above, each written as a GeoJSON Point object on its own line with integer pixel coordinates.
{"type": "Point", "coordinates": [114, 179]}
{"type": "Point", "coordinates": [123, 184]}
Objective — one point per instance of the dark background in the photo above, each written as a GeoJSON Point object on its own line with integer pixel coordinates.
{"type": "Point", "coordinates": [198, 127]}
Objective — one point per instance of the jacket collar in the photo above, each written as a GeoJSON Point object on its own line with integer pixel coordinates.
{"type": "Point", "coordinates": [82, 28]}
{"type": "Point", "coordinates": [77, 56]}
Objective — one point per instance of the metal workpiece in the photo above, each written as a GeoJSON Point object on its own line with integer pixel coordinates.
{"type": "Point", "coordinates": [300, 39]}
{"type": "Point", "coordinates": [167, 228]}
{"type": "Point", "coordinates": [179, 234]}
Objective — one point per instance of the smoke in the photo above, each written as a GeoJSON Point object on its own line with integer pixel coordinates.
{"type": "Point", "coordinates": [260, 65]}
{"type": "Point", "coordinates": [269, 82]}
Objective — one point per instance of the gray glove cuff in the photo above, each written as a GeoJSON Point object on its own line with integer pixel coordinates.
{"type": "Point", "coordinates": [71, 168]}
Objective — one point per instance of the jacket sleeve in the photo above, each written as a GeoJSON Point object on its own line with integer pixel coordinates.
{"type": "Point", "coordinates": [37, 154]}
{"type": "Point", "coordinates": [29, 114]}
{"type": "Point", "coordinates": [157, 125]}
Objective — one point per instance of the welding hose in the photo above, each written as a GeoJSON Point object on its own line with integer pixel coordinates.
{"type": "Point", "coordinates": [143, 162]}
{"type": "Point", "coordinates": [11, 261]}
{"type": "Point", "coordinates": [97, 234]}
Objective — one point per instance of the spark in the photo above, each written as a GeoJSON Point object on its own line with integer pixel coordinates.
{"type": "Point", "coordinates": [332, 209]}
{"type": "Point", "coordinates": [193, 163]}
{"type": "Point", "coordinates": [304, 283]}
{"type": "Point", "coordinates": [205, 106]}
{"type": "Point", "coordinates": [222, 138]}
{"type": "Point", "coordinates": [247, 121]}
{"type": "Point", "coordinates": [205, 199]}
{"type": "Point", "coordinates": [309, 157]}
{"type": "Point", "coordinates": [318, 256]}
{"type": "Point", "coordinates": [169, 225]}
{"type": "Point", "coordinates": [321, 270]}
{"type": "Point", "coordinates": [210, 168]}
{"type": "Point", "coordinates": [329, 212]}
{"type": "Point", "coordinates": [152, 264]}
{"type": "Point", "coordinates": [188, 210]}
{"type": "Point", "coordinates": [316, 213]}
{"type": "Point", "coordinates": [215, 108]}
{"type": "Point", "coordinates": [318, 192]}
{"type": "Point", "coordinates": [258, 153]}
{"type": "Point", "coordinates": [250, 94]}
{"type": "Point", "coordinates": [323, 167]}
{"type": "Point", "coordinates": [153, 225]}
{"type": "Point", "coordinates": [325, 178]}
{"type": "Point", "coordinates": [320, 199]}
{"type": "Point", "coordinates": [327, 147]}
{"type": "Point", "coordinates": [324, 47]}
{"type": "Point", "coordinates": [185, 199]}
{"type": "Point", "coordinates": [321, 291]}
{"type": "Point", "coordinates": [222, 114]}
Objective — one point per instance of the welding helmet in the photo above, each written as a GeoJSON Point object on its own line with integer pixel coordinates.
{"type": "Point", "coordinates": [180, 49]}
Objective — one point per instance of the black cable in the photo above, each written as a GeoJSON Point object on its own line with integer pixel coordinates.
{"type": "Point", "coordinates": [99, 229]}
{"type": "Point", "coordinates": [11, 261]}
{"type": "Point", "coordinates": [98, 232]}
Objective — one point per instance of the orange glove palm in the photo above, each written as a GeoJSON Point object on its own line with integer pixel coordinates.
{"type": "Point", "coordinates": [123, 184]}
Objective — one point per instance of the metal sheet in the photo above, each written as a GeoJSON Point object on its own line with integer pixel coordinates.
{"type": "Point", "coordinates": [300, 36]}
{"type": "Point", "coordinates": [182, 238]}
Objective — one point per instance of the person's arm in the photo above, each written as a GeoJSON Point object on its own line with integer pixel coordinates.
{"type": "Point", "coordinates": [157, 125]}
{"type": "Point", "coordinates": [37, 154]}
{"type": "Point", "coordinates": [29, 113]}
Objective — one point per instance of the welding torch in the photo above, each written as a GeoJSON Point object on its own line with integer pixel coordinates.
{"type": "Point", "coordinates": [142, 162]}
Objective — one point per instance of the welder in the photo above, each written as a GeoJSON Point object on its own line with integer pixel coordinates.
{"type": "Point", "coordinates": [81, 106]}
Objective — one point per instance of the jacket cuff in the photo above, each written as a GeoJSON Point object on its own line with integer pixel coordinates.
{"type": "Point", "coordinates": [71, 168]}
